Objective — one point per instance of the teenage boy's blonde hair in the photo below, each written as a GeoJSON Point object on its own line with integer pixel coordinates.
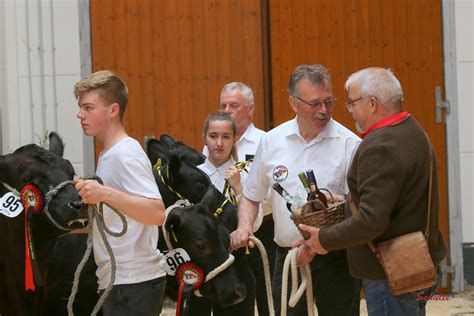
{"type": "Point", "coordinates": [109, 86]}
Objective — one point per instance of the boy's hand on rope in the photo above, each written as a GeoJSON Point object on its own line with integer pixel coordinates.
{"type": "Point", "coordinates": [91, 191]}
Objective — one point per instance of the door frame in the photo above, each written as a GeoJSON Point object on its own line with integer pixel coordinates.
{"type": "Point", "coordinates": [452, 146]}
{"type": "Point", "coordinates": [85, 47]}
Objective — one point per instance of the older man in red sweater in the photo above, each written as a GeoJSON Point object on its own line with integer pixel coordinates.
{"type": "Point", "coordinates": [388, 180]}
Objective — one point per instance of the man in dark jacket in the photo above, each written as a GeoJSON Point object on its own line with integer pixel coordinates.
{"type": "Point", "coordinates": [388, 180]}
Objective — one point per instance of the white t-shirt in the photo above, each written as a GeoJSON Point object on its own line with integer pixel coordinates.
{"type": "Point", "coordinates": [216, 174]}
{"type": "Point", "coordinates": [125, 167]}
{"type": "Point", "coordinates": [283, 153]}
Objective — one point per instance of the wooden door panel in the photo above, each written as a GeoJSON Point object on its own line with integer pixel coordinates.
{"type": "Point", "coordinates": [348, 35]}
{"type": "Point", "coordinates": [175, 56]}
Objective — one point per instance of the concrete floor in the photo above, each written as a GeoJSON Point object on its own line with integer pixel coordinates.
{"type": "Point", "coordinates": [454, 305]}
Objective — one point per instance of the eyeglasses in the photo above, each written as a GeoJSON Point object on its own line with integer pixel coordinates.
{"type": "Point", "coordinates": [350, 103]}
{"type": "Point", "coordinates": [329, 102]}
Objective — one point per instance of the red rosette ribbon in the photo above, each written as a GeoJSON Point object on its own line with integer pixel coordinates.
{"type": "Point", "coordinates": [31, 197]}
{"type": "Point", "coordinates": [189, 277]}
{"type": "Point", "coordinates": [191, 274]}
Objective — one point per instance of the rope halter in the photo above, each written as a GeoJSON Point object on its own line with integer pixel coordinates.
{"type": "Point", "coordinates": [48, 197]}
{"type": "Point", "coordinates": [157, 167]}
{"type": "Point", "coordinates": [212, 274]}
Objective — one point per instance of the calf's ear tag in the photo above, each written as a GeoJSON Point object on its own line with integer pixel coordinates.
{"type": "Point", "coordinates": [174, 259]}
{"type": "Point", "coordinates": [10, 205]}
{"type": "Point", "coordinates": [157, 165]}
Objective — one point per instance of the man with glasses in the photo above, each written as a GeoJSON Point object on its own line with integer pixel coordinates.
{"type": "Point", "coordinates": [389, 182]}
{"type": "Point", "coordinates": [312, 140]}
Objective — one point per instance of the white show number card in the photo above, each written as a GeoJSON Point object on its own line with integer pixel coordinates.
{"type": "Point", "coordinates": [175, 258]}
{"type": "Point", "coordinates": [10, 205]}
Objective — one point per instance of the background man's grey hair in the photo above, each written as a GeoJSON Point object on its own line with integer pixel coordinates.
{"type": "Point", "coordinates": [246, 91]}
{"type": "Point", "coordinates": [315, 74]}
{"type": "Point", "coordinates": [380, 83]}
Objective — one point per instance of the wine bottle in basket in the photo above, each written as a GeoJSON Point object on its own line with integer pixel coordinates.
{"type": "Point", "coordinates": [293, 203]}
{"type": "Point", "coordinates": [315, 192]}
{"type": "Point", "coordinates": [305, 182]}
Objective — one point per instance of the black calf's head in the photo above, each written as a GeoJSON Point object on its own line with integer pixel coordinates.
{"type": "Point", "coordinates": [184, 178]}
{"type": "Point", "coordinates": [161, 149]}
{"type": "Point", "coordinates": [206, 240]}
{"type": "Point", "coordinates": [45, 169]}
{"type": "Point", "coordinates": [192, 183]}
{"type": "Point", "coordinates": [155, 150]}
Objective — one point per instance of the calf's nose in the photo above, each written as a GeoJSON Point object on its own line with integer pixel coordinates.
{"type": "Point", "coordinates": [236, 296]}
{"type": "Point", "coordinates": [75, 204]}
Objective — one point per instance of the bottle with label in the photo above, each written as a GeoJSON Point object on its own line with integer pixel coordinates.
{"type": "Point", "coordinates": [304, 181]}
{"type": "Point", "coordinates": [293, 203]}
{"type": "Point", "coordinates": [315, 193]}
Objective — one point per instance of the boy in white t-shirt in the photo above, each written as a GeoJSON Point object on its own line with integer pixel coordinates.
{"type": "Point", "coordinates": [129, 187]}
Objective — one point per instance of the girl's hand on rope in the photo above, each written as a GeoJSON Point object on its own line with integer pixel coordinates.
{"type": "Point", "coordinates": [232, 176]}
{"type": "Point", "coordinates": [91, 191]}
{"type": "Point", "coordinates": [240, 238]}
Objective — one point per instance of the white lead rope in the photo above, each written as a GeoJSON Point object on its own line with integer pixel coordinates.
{"type": "Point", "coordinates": [266, 272]}
{"type": "Point", "coordinates": [216, 271]}
{"type": "Point", "coordinates": [296, 292]}
{"type": "Point", "coordinates": [178, 203]}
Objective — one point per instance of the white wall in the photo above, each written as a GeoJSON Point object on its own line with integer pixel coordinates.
{"type": "Point", "coordinates": [40, 62]}
{"type": "Point", "coordinates": [3, 98]}
{"type": "Point", "coordinates": [464, 17]}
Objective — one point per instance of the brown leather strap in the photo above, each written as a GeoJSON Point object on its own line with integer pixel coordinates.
{"type": "Point", "coordinates": [353, 211]}
{"type": "Point", "coordinates": [430, 187]}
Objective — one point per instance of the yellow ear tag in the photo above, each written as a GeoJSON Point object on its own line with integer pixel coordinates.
{"type": "Point", "coordinates": [173, 234]}
{"type": "Point", "coordinates": [157, 165]}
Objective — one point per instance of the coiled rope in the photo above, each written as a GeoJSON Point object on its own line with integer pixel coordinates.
{"type": "Point", "coordinates": [47, 199]}
{"type": "Point", "coordinates": [96, 213]}
{"type": "Point", "coordinates": [296, 292]}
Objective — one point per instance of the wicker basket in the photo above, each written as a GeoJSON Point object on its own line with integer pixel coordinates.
{"type": "Point", "coordinates": [322, 218]}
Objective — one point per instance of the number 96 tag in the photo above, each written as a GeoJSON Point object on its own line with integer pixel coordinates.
{"type": "Point", "coordinates": [174, 259]}
{"type": "Point", "coordinates": [10, 205]}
